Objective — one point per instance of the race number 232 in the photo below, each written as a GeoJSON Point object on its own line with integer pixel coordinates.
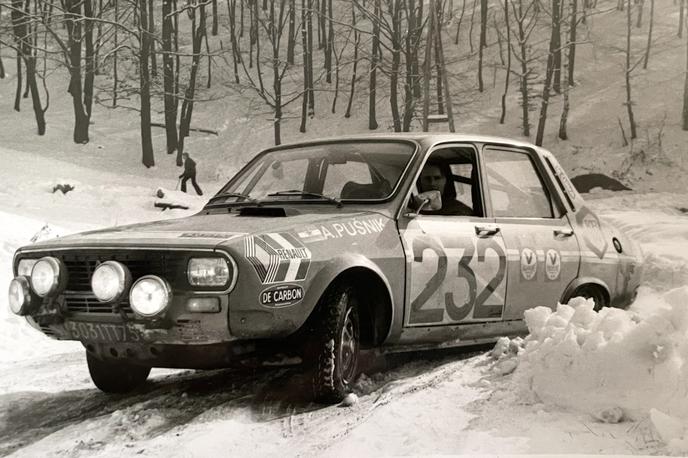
{"type": "Point", "coordinates": [475, 300]}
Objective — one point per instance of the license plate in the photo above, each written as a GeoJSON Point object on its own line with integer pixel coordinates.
{"type": "Point", "coordinates": [102, 332]}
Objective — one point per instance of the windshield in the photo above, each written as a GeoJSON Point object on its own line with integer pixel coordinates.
{"type": "Point", "coordinates": [333, 172]}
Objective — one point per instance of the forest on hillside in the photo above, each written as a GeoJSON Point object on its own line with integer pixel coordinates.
{"type": "Point", "coordinates": [165, 58]}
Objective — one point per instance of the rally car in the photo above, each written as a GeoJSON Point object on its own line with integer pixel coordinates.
{"type": "Point", "coordinates": [326, 249]}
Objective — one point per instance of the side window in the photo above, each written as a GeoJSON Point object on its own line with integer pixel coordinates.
{"type": "Point", "coordinates": [452, 172]}
{"type": "Point", "coordinates": [516, 189]}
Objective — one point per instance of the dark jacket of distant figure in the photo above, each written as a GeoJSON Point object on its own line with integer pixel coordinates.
{"type": "Point", "coordinates": [189, 168]}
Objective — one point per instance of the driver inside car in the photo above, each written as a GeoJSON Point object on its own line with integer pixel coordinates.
{"type": "Point", "coordinates": [437, 176]}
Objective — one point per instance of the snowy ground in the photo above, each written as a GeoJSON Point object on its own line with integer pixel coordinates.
{"type": "Point", "coordinates": [582, 383]}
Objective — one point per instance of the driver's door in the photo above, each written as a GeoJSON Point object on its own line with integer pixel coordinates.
{"type": "Point", "coordinates": [455, 265]}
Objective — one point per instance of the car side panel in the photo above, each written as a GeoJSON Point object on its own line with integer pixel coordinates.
{"type": "Point", "coordinates": [302, 263]}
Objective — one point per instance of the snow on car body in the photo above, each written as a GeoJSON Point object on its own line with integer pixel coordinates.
{"type": "Point", "coordinates": [327, 247]}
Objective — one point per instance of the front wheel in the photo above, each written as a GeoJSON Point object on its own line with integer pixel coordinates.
{"type": "Point", "coordinates": [336, 345]}
{"type": "Point", "coordinates": [113, 376]}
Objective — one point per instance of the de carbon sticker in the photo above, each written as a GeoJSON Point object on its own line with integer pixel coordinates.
{"type": "Point", "coordinates": [278, 257]}
{"type": "Point", "coordinates": [281, 295]}
{"type": "Point", "coordinates": [528, 264]}
{"type": "Point", "coordinates": [552, 264]}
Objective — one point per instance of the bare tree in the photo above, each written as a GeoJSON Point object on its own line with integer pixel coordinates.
{"type": "Point", "coordinates": [508, 60]}
{"type": "Point", "coordinates": [627, 72]}
{"type": "Point", "coordinates": [372, 121]}
{"type": "Point", "coordinates": [649, 34]}
{"type": "Point", "coordinates": [684, 125]}
{"type": "Point", "coordinates": [483, 42]}
{"type": "Point", "coordinates": [170, 99]}
{"type": "Point", "coordinates": [147, 157]}
{"type": "Point", "coordinates": [553, 47]}
{"type": "Point", "coordinates": [525, 19]}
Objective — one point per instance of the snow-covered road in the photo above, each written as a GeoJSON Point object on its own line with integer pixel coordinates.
{"type": "Point", "coordinates": [463, 402]}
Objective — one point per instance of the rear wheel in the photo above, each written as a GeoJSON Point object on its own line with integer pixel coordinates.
{"type": "Point", "coordinates": [595, 293]}
{"type": "Point", "coordinates": [113, 376]}
{"type": "Point", "coordinates": [336, 345]}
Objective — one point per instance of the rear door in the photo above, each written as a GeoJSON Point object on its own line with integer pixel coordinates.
{"type": "Point", "coordinates": [456, 264]}
{"type": "Point", "coordinates": [542, 251]}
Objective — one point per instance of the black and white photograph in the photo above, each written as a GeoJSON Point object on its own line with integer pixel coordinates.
{"type": "Point", "coordinates": [343, 228]}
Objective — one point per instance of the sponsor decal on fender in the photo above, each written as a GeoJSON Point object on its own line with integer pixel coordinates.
{"type": "Point", "coordinates": [552, 264]}
{"type": "Point", "coordinates": [277, 257]}
{"type": "Point", "coordinates": [593, 237]}
{"type": "Point", "coordinates": [353, 228]}
{"type": "Point", "coordinates": [281, 296]}
{"type": "Point", "coordinates": [528, 264]}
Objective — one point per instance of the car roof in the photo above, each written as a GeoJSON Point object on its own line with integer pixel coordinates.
{"type": "Point", "coordinates": [425, 138]}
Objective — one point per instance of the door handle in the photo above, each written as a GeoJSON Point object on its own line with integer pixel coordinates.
{"type": "Point", "coordinates": [486, 230]}
{"type": "Point", "coordinates": [564, 232]}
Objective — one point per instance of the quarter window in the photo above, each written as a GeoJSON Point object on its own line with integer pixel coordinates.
{"type": "Point", "coordinates": [516, 189]}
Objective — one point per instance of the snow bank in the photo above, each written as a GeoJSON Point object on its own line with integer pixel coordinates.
{"type": "Point", "coordinates": [615, 365]}
{"type": "Point", "coordinates": [18, 340]}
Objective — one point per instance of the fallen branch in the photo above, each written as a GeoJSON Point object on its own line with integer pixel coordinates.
{"type": "Point", "coordinates": [166, 206]}
{"type": "Point", "coordinates": [195, 129]}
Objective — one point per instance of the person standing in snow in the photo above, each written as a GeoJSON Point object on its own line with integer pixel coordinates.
{"type": "Point", "coordinates": [189, 173]}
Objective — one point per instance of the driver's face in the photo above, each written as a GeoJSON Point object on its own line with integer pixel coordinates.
{"type": "Point", "coordinates": [432, 179]}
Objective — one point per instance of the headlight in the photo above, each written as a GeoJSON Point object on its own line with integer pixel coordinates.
{"type": "Point", "coordinates": [25, 266]}
{"type": "Point", "coordinates": [208, 272]}
{"type": "Point", "coordinates": [20, 295]}
{"type": "Point", "coordinates": [110, 280]}
{"type": "Point", "coordinates": [150, 296]}
{"type": "Point", "coordinates": [47, 276]}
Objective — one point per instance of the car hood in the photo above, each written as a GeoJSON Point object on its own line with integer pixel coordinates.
{"type": "Point", "coordinates": [202, 230]}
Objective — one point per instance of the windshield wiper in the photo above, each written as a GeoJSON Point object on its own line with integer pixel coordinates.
{"type": "Point", "coordinates": [295, 192]}
{"type": "Point", "coordinates": [237, 195]}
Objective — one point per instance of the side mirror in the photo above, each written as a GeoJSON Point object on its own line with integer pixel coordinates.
{"type": "Point", "coordinates": [429, 200]}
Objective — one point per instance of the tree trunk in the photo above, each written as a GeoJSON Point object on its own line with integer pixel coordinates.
{"type": "Point", "coordinates": [508, 60]}
{"type": "Point", "coordinates": [554, 41]}
{"type": "Point", "coordinates": [572, 41]}
{"type": "Point", "coordinates": [326, 19]}
{"type": "Point", "coordinates": [394, 11]}
{"type": "Point", "coordinates": [197, 31]}
{"type": "Point", "coordinates": [523, 47]}
{"type": "Point", "coordinates": [685, 94]}
{"type": "Point", "coordinates": [357, 39]}
{"type": "Point", "coordinates": [639, 22]}
{"type": "Point", "coordinates": [438, 69]}
{"type": "Point", "coordinates": [470, 28]}
{"type": "Point", "coordinates": [372, 121]}
{"type": "Point", "coordinates": [304, 44]}
{"type": "Point", "coordinates": [629, 102]}
{"type": "Point", "coordinates": [427, 64]}
{"type": "Point", "coordinates": [115, 76]}
{"type": "Point", "coordinates": [236, 55]}
{"type": "Point", "coordinates": [649, 34]}
{"type": "Point", "coordinates": [291, 39]}
{"type": "Point", "coordinates": [147, 156]}
{"type": "Point", "coordinates": [170, 100]}
{"type": "Point", "coordinates": [25, 49]}
{"type": "Point", "coordinates": [483, 42]}
{"type": "Point", "coordinates": [215, 19]}
{"type": "Point", "coordinates": [443, 72]}
{"type": "Point", "coordinates": [311, 92]}
{"type": "Point", "coordinates": [73, 23]}
{"type": "Point", "coordinates": [556, 45]}
{"type": "Point", "coordinates": [680, 17]}
{"type": "Point", "coordinates": [151, 30]}
{"type": "Point", "coordinates": [90, 70]}
{"type": "Point", "coordinates": [411, 52]}
{"type": "Point", "coordinates": [2, 67]}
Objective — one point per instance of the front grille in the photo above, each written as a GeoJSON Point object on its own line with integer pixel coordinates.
{"type": "Point", "coordinates": [78, 296]}
{"type": "Point", "coordinates": [88, 303]}
{"type": "Point", "coordinates": [170, 266]}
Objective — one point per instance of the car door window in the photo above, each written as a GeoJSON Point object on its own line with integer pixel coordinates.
{"type": "Point", "coordinates": [515, 187]}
